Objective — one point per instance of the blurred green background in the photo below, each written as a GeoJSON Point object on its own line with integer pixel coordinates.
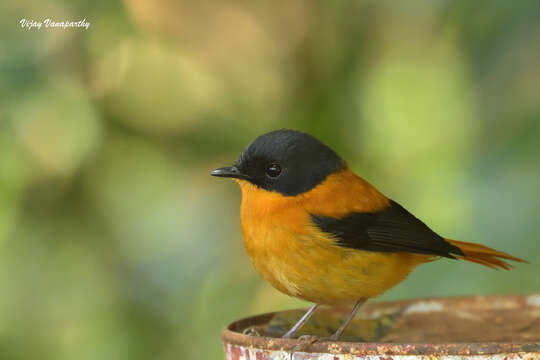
{"type": "Point", "coordinates": [115, 243]}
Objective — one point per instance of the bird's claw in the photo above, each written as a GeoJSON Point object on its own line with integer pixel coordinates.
{"type": "Point", "coordinates": [252, 331]}
{"type": "Point", "coordinates": [309, 338]}
{"type": "Point", "coordinates": [305, 341]}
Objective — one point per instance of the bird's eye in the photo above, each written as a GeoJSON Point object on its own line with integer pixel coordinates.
{"type": "Point", "coordinates": [273, 170]}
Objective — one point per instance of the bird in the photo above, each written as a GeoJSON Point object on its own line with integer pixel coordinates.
{"type": "Point", "coordinates": [317, 231]}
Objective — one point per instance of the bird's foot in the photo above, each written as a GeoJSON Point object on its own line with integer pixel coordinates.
{"type": "Point", "coordinates": [305, 341]}
{"type": "Point", "coordinates": [334, 337]}
{"type": "Point", "coordinates": [309, 338]}
{"type": "Point", "coordinates": [252, 331]}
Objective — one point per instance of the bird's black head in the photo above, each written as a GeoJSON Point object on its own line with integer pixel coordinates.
{"type": "Point", "coordinates": [286, 161]}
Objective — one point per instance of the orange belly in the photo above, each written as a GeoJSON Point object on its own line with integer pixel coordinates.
{"type": "Point", "coordinates": [313, 269]}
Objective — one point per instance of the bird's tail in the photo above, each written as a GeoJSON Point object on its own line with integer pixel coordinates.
{"type": "Point", "coordinates": [484, 255]}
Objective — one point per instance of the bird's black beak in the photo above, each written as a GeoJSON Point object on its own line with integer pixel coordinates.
{"type": "Point", "coordinates": [229, 172]}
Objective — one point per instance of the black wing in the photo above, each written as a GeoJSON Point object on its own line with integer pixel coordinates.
{"type": "Point", "coordinates": [393, 229]}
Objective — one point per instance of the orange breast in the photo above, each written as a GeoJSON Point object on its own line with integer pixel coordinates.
{"type": "Point", "coordinates": [299, 260]}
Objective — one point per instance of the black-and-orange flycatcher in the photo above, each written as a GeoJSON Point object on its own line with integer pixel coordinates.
{"type": "Point", "coordinates": [319, 232]}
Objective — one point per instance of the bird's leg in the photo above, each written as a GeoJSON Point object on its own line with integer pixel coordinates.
{"type": "Point", "coordinates": [339, 331]}
{"type": "Point", "coordinates": [301, 322]}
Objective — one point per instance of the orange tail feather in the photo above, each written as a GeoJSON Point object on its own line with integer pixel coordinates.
{"type": "Point", "coordinates": [484, 255]}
